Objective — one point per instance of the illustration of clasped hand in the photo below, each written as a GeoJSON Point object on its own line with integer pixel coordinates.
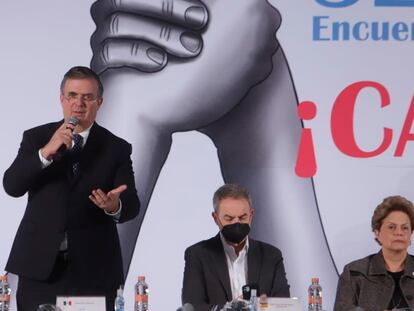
{"type": "Point", "coordinates": [217, 68]}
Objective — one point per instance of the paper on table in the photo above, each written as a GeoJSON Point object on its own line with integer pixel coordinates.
{"type": "Point", "coordinates": [81, 303]}
{"type": "Point", "coordinates": [279, 304]}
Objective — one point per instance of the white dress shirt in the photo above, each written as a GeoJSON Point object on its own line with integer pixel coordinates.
{"type": "Point", "coordinates": [237, 266]}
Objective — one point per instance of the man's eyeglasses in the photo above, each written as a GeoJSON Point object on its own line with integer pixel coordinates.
{"type": "Point", "coordinates": [87, 98]}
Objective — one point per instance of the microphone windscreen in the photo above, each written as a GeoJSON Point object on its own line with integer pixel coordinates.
{"type": "Point", "coordinates": [62, 149]}
{"type": "Point", "coordinates": [73, 121]}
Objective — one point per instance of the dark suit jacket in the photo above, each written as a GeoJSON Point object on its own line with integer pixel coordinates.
{"type": "Point", "coordinates": [206, 277]}
{"type": "Point", "coordinates": [58, 202]}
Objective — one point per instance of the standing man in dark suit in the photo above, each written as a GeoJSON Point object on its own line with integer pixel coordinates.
{"type": "Point", "coordinates": [216, 269]}
{"type": "Point", "coordinates": [80, 183]}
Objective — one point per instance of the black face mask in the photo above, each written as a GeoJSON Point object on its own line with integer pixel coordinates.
{"type": "Point", "coordinates": [235, 233]}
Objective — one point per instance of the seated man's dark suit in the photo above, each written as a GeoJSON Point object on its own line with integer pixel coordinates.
{"type": "Point", "coordinates": [58, 202]}
{"type": "Point", "coordinates": [206, 277]}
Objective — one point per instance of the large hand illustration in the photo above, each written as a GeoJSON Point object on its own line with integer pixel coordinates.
{"type": "Point", "coordinates": [238, 90]}
{"type": "Point", "coordinates": [257, 144]}
{"type": "Point", "coordinates": [140, 33]}
{"type": "Point", "coordinates": [189, 93]}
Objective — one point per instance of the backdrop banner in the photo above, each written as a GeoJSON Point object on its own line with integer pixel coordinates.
{"type": "Point", "coordinates": [307, 103]}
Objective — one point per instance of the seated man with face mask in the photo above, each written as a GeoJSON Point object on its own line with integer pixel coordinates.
{"type": "Point", "coordinates": [217, 269]}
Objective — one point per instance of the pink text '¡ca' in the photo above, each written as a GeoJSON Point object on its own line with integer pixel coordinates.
{"type": "Point", "coordinates": [343, 129]}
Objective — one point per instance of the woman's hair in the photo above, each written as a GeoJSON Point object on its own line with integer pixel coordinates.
{"type": "Point", "coordinates": [392, 204]}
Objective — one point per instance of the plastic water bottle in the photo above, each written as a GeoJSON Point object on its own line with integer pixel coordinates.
{"type": "Point", "coordinates": [119, 300]}
{"type": "Point", "coordinates": [253, 300]}
{"type": "Point", "coordinates": [4, 293]}
{"type": "Point", "coordinates": [141, 295]}
{"type": "Point", "coordinates": [315, 296]}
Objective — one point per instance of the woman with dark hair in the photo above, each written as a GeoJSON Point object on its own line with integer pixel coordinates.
{"type": "Point", "coordinates": [382, 281]}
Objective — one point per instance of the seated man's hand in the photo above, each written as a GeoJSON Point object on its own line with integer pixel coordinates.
{"type": "Point", "coordinates": [140, 33]}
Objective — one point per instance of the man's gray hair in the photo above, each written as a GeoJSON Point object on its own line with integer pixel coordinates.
{"type": "Point", "coordinates": [230, 191]}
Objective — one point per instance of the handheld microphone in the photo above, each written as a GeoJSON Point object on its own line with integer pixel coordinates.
{"type": "Point", "coordinates": [62, 149]}
{"type": "Point", "coordinates": [73, 121]}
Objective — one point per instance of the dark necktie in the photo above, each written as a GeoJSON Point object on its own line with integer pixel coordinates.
{"type": "Point", "coordinates": [76, 150]}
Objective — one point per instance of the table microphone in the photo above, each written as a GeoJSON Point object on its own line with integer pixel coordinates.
{"type": "Point", "coordinates": [186, 307]}
{"type": "Point", "coordinates": [246, 290]}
